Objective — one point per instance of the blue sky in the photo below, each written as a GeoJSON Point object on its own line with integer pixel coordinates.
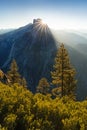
{"type": "Point", "coordinates": [58, 14]}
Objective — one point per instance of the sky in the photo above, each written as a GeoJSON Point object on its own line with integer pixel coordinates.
{"type": "Point", "coordinates": [58, 14]}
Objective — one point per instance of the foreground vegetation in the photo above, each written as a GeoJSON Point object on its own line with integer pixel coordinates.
{"type": "Point", "coordinates": [22, 110]}
{"type": "Point", "coordinates": [53, 107]}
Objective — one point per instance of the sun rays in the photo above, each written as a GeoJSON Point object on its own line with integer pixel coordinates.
{"type": "Point", "coordinates": [41, 32]}
{"type": "Point", "coordinates": [41, 27]}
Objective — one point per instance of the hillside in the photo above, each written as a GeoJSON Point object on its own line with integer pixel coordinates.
{"type": "Point", "coordinates": [34, 47]}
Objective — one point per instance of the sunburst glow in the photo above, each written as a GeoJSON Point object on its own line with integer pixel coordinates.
{"type": "Point", "coordinates": [44, 22]}
{"type": "Point", "coordinates": [41, 27]}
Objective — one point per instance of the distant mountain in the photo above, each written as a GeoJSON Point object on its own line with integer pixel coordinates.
{"type": "Point", "coordinates": [3, 31]}
{"type": "Point", "coordinates": [79, 61]}
{"type": "Point", "coordinates": [75, 39]}
{"type": "Point", "coordinates": [82, 48]}
{"type": "Point", "coordinates": [34, 48]}
{"type": "Point", "coordinates": [70, 37]}
{"type": "Point", "coordinates": [34, 52]}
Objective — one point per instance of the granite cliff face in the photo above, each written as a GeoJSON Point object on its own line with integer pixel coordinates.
{"type": "Point", "coordinates": [34, 48]}
{"type": "Point", "coordinates": [34, 52]}
{"type": "Point", "coordinates": [8, 39]}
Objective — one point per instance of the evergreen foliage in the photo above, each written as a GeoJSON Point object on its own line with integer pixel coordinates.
{"type": "Point", "coordinates": [13, 74]}
{"type": "Point", "coordinates": [43, 86]}
{"type": "Point", "coordinates": [21, 110]}
{"type": "Point", "coordinates": [23, 82]}
{"type": "Point", "coordinates": [63, 75]}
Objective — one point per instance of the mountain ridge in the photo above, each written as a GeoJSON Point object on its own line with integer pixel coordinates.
{"type": "Point", "coordinates": [34, 49]}
{"type": "Point", "coordinates": [33, 52]}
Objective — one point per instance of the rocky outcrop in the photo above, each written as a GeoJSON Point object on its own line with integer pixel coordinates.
{"type": "Point", "coordinates": [35, 21]}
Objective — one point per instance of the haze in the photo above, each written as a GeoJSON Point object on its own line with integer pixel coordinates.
{"type": "Point", "coordinates": [58, 14]}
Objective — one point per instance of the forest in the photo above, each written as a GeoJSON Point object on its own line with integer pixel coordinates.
{"type": "Point", "coordinates": [54, 105]}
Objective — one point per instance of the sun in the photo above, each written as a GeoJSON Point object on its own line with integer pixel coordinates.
{"type": "Point", "coordinates": [44, 22]}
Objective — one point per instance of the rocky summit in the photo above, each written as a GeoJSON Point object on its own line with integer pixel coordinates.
{"type": "Point", "coordinates": [34, 48]}
{"type": "Point", "coordinates": [34, 53]}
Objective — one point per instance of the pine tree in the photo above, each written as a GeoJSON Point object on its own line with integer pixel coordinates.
{"type": "Point", "coordinates": [13, 74]}
{"type": "Point", "coordinates": [43, 86]}
{"type": "Point", "coordinates": [63, 75]}
{"type": "Point", "coordinates": [23, 82]}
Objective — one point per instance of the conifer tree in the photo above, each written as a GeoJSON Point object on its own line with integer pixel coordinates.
{"type": "Point", "coordinates": [23, 82]}
{"type": "Point", "coordinates": [63, 75]}
{"type": "Point", "coordinates": [13, 74]}
{"type": "Point", "coordinates": [43, 86]}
